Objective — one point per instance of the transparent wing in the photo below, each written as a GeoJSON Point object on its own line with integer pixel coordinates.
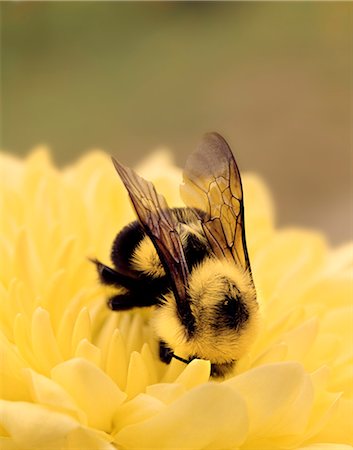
{"type": "Point", "coordinates": [161, 226]}
{"type": "Point", "coordinates": [212, 183]}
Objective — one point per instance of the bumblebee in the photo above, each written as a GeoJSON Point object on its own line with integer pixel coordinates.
{"type": "Point", "coordinates": [190, 264]}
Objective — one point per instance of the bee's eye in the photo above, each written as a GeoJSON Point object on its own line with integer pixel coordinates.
{"type": "Point", "coordinates": [234, 312]}
{"type": "Point", "coordinates": [231, 305]}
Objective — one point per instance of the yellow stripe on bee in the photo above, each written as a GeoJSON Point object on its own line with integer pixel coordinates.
{"type": "Point", "coordinates": [145, 259]}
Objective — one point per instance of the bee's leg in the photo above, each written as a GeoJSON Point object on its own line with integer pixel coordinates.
{"type": "Point", "coordinates": [165, 353]}
{"type": "Point", "coordinates": [121, 302]}
{"type": "Point", "coordinates": [220, 370]}
{"type": "Point", "coordinates": [109, 276]}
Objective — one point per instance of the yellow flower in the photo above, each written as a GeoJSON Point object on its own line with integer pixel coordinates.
{"type": "Point", "coordinates": [74, 375]}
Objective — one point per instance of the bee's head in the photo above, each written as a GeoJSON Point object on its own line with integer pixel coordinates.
{"type": "Point", "coordinates": [223, 303]}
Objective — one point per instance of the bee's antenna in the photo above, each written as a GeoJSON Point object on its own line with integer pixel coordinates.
{"type": "Point", "coordinates": [179, 358]}
{"type": "Point", "coordinates": [110, 276]}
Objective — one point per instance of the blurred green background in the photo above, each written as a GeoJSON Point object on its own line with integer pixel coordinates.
{"type": "Point", "coordinates": [127, 77]}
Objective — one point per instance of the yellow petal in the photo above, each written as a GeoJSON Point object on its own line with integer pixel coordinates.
{"type": "Point", "coordinates": [304, 254]}
{"type": "Point", "coordinates": [68, 325]}
{"type": "Point", "coordinates": [93, 391]}
{"type": "Point", "coordinates": [279, 398]}
{"type": "Point", "coordinates": [26, 263]}
{"type": "Point", "coordinates": [6, 443]}
{"type": "Point", "coordinates": [275, 353]}
{"type": "Point", "coordinates": [135, 336]}
{"type": "Point", "coordinates": [49, 393]}
{"type": "Point", "coordinates": [12, 384]}
{"type": "Point", "coordinates": [210, 416]}
{"type": "Point", "coordinates": [341, 259]}
{"type": "Point", "coordinates": [327, 447]}
{"type": "Point", "coordinates": [138, 409]}
{"type": "Point", "coordinates": [196, 372]}
{"type": "Point", "coordinates": [166, 392]}
{"type": "Point", "coordinates": [116, 364]}
{"type": "Point", "coordinates": [174, 369]}
{"type": "Point", "coordinates": [35, 427]}
{"type": "Point", "coordinates": [324, 405]}
{"type": "Point", "coordinates": [329, 292]}
{"type": "Point", "coordinates": [339, 426]}
{"type": "Point", "coordinates": [22, 340]}
{"type": "Point", "coordinates": [89, 351]}
{"type": "Point", "coordinates": [88, 439]}
{"type": "Point", "coordinates": [259, 213]}
{"type": "Point", "coordinates": [44, 342]}
{"type": "Point", "coordinates": [137, 376]}
{"type": "Point", "coordinates": [150, 361]}
{"type": "Point", "coordinates": [82, 328]}
{"type": "Point", "coordinates": [300, 340]}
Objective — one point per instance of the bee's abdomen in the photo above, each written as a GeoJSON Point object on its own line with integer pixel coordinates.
{"type": "Point", "coordinates": [195, 250]}
{"type": "Point", "coordinates": [196, 247]}
{"type": "Point", "coordinates": [128, 259]}
{"type": "Point", "coordinates": [124, 245]}
{"type": "Point", "coordinates": [134, 255]}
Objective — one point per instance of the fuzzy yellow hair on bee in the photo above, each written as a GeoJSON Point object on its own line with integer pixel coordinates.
{"type": "Point", "coordinates": [190, 264]}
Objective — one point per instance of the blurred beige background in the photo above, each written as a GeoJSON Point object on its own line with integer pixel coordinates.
{"type": "Point", "coordinates": [274, 78]}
